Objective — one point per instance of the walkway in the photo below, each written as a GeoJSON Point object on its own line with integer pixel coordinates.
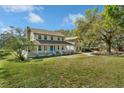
{"type": "Point", "coordinates": [88, 53]}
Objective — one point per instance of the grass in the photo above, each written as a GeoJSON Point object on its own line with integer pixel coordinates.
{"type": "Point", "coordinates": [67, 71]}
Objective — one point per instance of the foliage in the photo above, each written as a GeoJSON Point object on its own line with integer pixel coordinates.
{"type": "Point", "coordinates": [111, 28]}
{"type": "Point", "coordinates": [101, 29]}
{"type": "Point", "coordinates": [118, 42]}
{"type": "Point", "coordinates": [67, 33]}
{"type": "Point", "coordinates": [86, 28]}
{"type": "Point", "coordinates": [115, 12]}
{"type": "Point", "coordinates": [16, 43]}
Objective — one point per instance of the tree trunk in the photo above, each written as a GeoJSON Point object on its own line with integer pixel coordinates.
{"type": "Point", "coordinates": [109, 47]}
{"type": "Point", "coordinates": [20, 57]}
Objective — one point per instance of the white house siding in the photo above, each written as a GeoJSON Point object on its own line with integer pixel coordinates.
{"type": "Point", "coordinates": [71, 48]}
{"type": "Point", "coordinates": [32, 37]}
{"type": "Point", "coordinates": [48, 48]}
{"type": "Point", "coordinates": [55, 38]}
{"type": "Point", "coordinates": [43, 52]}
{"type": "Point", "coordinates": [35, 36]}
{"type": "Point", "coordinates": [75, 45]}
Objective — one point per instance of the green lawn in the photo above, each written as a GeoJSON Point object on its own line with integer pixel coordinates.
{"type": "Point", "coordinates": [68, 71]}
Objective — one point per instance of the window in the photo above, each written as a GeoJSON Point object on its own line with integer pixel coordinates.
{"type": "Point", "coordinates": [62, 39]}
{"type": "Point", "coordinates": [58, 47]}
{"type": "Point", "coordinates": [58, 38]}
{"type": "Point", "coordinates": [62, 48]}
{"type": "Point", "coordinates": [36, 36]}
{"type": "Point", "coordinates": [29, 50]}
{"type": "Point", "coordinates": [45, 48]}
{"type": "Point", "coordinates": [51, 37]}
{"type": "Point", "coordinates": [39, 48]}
{"type": "Point", "coordinates": [45, 37]}
{"type": "Point", "coordinates": [39, 36]}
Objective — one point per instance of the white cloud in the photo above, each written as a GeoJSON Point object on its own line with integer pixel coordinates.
{"type": "Point", "coordinates": [74, 17]}
{"type": "Point", "coordinates": [71, 18]}
{"type": "Point", "coordinates": [3, 27]}
{"type": "Point", "coordinates": [35, 18]}
{"type": "Point", "coordinates": [30, 9]}
{"type": "Point", "coordinates": [20, 8]}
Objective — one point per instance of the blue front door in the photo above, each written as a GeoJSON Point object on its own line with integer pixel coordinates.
{"type": "Point", "coordinates": [51, 48]}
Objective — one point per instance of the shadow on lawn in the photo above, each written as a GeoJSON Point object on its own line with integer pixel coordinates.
{"type": "Point", "coordinates": [38, 58]}
{"type": "Point", "coordinates": [42, 57]}
{"type": "Point", "coordinates": [28, 60]}
{"type": "Point", "coordinates": [4, 73]}
{"type": "Point", "coordinates": [35, 59]}
{"type": "Point", "coordinates": [3, 54]}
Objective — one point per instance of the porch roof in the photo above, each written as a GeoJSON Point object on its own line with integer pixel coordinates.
{"type": "Point", "coordinates": [49, 42]}
{"type": "Point", "coordinates": [71, 38]}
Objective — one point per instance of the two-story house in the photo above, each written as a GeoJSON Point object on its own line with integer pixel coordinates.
{"type": "Point", "coordinates": [47, 42]}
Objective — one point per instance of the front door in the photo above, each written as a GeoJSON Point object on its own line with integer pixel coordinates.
{"type": "Point", "coordinates": [51, 48]}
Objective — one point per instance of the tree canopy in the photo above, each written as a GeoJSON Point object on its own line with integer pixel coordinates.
{"type": "Point", "coordinates": [102, 29]}
{"type": "Point", "coordinates": [16, 42]}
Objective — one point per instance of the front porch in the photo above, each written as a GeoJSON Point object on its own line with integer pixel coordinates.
{"type": "Point", "coordinates": [50, 50]}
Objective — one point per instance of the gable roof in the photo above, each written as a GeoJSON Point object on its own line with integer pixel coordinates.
{"type": "Point", "coordinates": [46, 32]}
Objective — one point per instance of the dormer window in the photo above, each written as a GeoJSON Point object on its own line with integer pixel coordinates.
{"type": "Point", "coordinates": [45, 37]}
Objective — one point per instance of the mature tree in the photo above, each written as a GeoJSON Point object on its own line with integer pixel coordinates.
{"type": "Point", "coordinates": [97, 29]}
{"type": "Point", "coordinates": [17, 43]}
{"type": "Point", "coordinates": [109, 28]}
{"type": "Point", "coordinates": [86, 28]}
{"type": "Point", "coordinates": [116, 14]}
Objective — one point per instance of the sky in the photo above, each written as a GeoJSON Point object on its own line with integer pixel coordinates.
{"type": "Point", "coordinates": [50, 17]}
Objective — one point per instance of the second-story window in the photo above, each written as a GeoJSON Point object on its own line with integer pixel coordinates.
{"type": "Point", "coordinates": [39, 36]}
{"type": "Point", "coordinates": [45, 37]}
{"type": "Point", "coordinates": [51, 37]}
{"type": "Point", "coordinates": [58, 38]}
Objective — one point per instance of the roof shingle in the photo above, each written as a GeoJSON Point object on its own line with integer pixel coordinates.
{"type": "Point", "coordinates": [46, 32]}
